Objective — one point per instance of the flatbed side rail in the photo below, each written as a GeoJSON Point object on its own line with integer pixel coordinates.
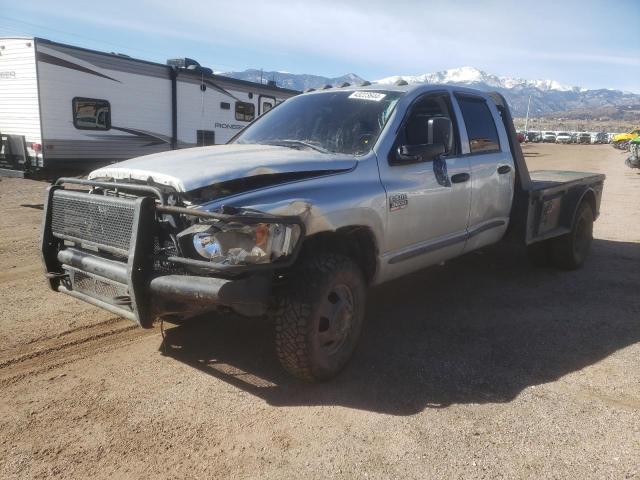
{"type": "Point", "coordinates": [553, 206]}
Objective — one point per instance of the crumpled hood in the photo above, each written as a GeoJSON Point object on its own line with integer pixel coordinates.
{"type": "Point", "coordinates": [192, 168]}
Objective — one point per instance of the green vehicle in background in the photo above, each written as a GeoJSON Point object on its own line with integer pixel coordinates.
{"type": "Point", "coordinates": [633, 160]}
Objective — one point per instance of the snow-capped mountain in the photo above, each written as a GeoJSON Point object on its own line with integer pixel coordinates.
{"type": "Point", "coordinates": [471, 75]}
{"type": "Point", "coordinates": [547, 96]}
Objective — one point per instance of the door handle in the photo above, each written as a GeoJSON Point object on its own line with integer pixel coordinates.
{"type": "Point", "coordinates": [460, 177]}
{"type": "Point", "coordinates": [504, 169]}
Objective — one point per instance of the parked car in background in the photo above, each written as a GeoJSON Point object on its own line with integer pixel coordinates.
{"type": "Point", "coordinates": [563, 137]}
{"type": "Point", "coordinates": [584, 137]}
{"type": "Point", "coordinates": [521, 137]}
{"type": "Point", "coordinates": [533, 136]}
{"type": "Point", "coordinates": [600, 137]}
{"type": "Point", "coordinates": [633, 160]}
{"type": "Point", "coordinates": [549, 137]}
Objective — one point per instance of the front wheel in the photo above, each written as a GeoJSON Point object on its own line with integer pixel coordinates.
{"type": "Point", "coordinates": [319, 316]}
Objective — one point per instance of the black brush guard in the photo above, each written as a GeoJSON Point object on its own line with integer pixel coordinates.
{"type": "Point", "coordinates": [100, 249]}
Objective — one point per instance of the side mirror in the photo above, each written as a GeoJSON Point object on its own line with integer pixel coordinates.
{"type": "Point", "coordinates": [440, 131]}
{"type": "Point", "coordinates": [419, 153]}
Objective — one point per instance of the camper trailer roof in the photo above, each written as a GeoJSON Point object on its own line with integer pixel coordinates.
{"type": "Point", "coordinates": [182, 71]}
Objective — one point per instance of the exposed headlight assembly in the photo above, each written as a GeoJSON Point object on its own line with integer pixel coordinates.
{"type": "Point", "coordinates": [240, 244]}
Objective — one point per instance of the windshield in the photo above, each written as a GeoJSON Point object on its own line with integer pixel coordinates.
{"type": "Point", "coordinates": [331, 122]}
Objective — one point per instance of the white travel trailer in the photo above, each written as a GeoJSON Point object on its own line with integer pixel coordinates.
{"type": "Point", "coordinates": [68, 107]}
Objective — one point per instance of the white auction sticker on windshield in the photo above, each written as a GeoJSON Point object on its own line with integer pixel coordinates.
{"type": "Point", "coordinates": [364, 95]}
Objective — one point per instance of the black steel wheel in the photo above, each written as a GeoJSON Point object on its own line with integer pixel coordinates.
{"type": "Point", "coordinates": [319, 316]}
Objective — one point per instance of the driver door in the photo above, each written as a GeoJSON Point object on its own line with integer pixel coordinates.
{"type": "Point", "coordinates": [428, 202]}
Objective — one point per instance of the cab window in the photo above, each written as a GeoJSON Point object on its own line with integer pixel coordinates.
{"type": "Point", "coordinates": [481, 128]}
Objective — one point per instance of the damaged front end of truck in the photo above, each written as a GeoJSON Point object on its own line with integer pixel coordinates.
{"type": "Point", "coordinates": [124, 248]}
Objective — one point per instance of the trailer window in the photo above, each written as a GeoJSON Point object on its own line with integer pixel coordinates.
{"type": "Point", "coordinates": [206, 137]}
{"type": "Point", "coordinates": [225, 106]}
{"type": "Point", "coordinates": [266, 106]}
{"type": "Point", "coordinates": [245, 112]}
{"type": "Point", "coordinates": [91, 114]}
{"type": "Point", "coordinates": [481, 129]}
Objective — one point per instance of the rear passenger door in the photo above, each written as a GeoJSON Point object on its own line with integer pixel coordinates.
{"type": "Point", "coordinates": [491, 167]}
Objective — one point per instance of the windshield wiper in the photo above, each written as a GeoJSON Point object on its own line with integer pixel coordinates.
{"type": "Point", "coordinates": [289, 143]}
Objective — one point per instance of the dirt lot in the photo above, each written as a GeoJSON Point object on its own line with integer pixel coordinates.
{"type": "Point", "coordinates": [484, 368]}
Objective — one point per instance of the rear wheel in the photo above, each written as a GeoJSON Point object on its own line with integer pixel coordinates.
{"type": "Point", "coordinates": [319, 316]}
{"type": "Point", "coordinates": [571, 250]}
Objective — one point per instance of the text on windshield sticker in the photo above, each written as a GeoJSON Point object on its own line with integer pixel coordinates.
{"type": "Point", "coordinates": [372, 96]}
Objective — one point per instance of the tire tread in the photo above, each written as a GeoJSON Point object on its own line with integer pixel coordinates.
{"type": "Point", "coordinates": [294, 307]}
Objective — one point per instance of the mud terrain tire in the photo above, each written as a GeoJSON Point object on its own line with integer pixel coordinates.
{"type": "Point", "coordinates": [319, 316]}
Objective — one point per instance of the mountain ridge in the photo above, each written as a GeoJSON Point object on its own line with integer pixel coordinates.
{"type": "Point", "coordinates": [548, 97]}
{"type": "Point", "coordinates": [294, 81]}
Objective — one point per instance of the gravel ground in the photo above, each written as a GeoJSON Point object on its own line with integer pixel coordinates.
{"type": "Point", "coordinates": [483, 368]}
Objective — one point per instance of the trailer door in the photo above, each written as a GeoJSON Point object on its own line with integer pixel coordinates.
{"type": "Point", "coordinates": [265, 103]}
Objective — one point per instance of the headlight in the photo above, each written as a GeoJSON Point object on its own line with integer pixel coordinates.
{"type": "Point", "coordinates": [240, 244]}
{"type": "Point", "coordinates": [206, 245]}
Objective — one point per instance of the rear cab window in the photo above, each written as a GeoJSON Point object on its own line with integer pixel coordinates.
{"type": "Point", "coordinates": [481, 127]}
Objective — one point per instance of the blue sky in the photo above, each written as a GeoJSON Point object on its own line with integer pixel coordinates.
{"type": "Point", "coordinates": [593, 44]}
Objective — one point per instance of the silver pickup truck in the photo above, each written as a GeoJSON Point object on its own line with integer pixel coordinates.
{"type": "Point", "coordinates": [327, 194]}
